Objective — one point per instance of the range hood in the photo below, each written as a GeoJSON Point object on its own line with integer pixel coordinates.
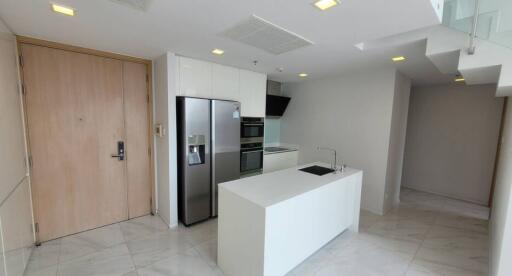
{"type": "Point", "coordinates": [276, 105]}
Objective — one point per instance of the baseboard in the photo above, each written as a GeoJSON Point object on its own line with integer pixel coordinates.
{"type": "Point", "coordinates": [445, 195]}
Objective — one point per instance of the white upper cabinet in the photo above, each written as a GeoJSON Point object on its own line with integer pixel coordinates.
{"type": "Point", "coordinates": [195, 78]}
{"type": "Point", "coordinates": [253, 93]}
{"type": "Point", "coordinates": [204, 79]}
{"type": "Point", "coordinates": [225, 82]}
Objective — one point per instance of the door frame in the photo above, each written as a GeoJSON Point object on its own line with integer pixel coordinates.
{"type": "Point", "coordinates": [20, 40]}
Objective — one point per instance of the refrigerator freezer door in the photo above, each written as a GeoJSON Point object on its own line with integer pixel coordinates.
{"type": "Point", "coordinates": [194, 155]}
{"type": "Point", "coordinates": [225, 145]}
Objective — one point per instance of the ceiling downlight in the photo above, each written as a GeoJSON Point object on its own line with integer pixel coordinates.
{"type": "Point", "coordinates": [398, 59]}
{"type": "Point", "coordinates": [63, 9]}
{"type": "Point", "coordinates": [325, 4]}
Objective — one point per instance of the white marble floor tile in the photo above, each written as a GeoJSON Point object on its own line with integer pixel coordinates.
{"type": "Point", "coordinates": [312, 264]}
{"type": "Point", "coordinates": [156, 247]}
{"type": "Point", "coordinates": [131, 273]}
{"type": "Point", "coordinates": [340, 241]}
{"type": "Point", "coordinates": [218, 272]}
{"type": "Point", "coordinates": [115, 260]}
{"type": "Point", "coordinates": [463, 222]}
{"type": "Point", "coordinates": [425, 268]}
{"type": "Point", "coordinates": [424, 235]}
{"type": "Point", "coordinates": [367, 219]}
{"type": "Point", "coordinates": [370, 255]}
{"type": "Point", "coordinates": [424, 200]}
{"type": "Point", "coordinates": [143, 226]}
{"type": "Point", "coordinates": [179, 265]}
{"type": "Point", "coordinates": [401, 229]}
{"type": "Point", "coordinates": [208, 251]}
{"type": "Point", "coordinates": [201, 232]}
{"type": "Point", "coordinates": [414, 212]}
{"type": "Point", "coordinates": [46, 271]}
{"type": "Point", "coordinates": [44, 256]}
{"type": "Point", "coordinates": [88, 242]}
{"type": "Point", "coordinates": [365, 240]}
{"type": "Point", "coordinates": [455, 247]}
{"type": "Point", "coordinates": [466, 209]}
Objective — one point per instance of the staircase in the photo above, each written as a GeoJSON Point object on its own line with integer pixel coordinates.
{"type": "Point", "coordinates": [448, 43]}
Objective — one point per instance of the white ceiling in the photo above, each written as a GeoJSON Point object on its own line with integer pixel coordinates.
{"type": "Point", "coordinates": [191, 28]}
{"type": "Point", "coordinates": [417, 66]}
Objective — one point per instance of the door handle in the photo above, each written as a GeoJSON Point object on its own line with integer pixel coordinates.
{"type": "Point", "coordinates": [120, 151]}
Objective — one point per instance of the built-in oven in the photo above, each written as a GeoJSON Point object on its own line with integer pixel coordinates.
{"type": "Point", "coordinates": [251, 158]}
{"type": "Point", "coordinates": [251, 149]}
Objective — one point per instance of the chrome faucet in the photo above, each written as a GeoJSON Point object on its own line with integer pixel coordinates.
{"type": "Point", "coordinates": [334, 165]}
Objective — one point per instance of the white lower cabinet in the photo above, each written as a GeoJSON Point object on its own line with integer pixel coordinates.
{"type": "Point", "coordinates": [280, 161]}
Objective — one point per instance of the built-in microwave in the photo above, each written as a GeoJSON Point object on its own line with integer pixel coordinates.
{"type": "Point", "coordinates": [251, 128]}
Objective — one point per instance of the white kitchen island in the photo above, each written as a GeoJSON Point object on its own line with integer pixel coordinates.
{"type": "Point", "coordinates": [270, 223]}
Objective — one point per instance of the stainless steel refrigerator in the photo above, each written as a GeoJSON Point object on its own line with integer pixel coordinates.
{"type": "Point", "coordinates": [208, 154]}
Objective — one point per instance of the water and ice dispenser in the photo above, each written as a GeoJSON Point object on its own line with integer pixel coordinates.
{"type": "Point", "coordinates": [196, 149]}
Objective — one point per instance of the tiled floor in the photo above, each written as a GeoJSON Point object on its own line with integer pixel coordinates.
{"type": "Point", "coordinates": [425, 235]}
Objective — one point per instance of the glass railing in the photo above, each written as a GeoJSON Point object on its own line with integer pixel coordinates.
{"type": "Point", "coordinates": [494, 19]}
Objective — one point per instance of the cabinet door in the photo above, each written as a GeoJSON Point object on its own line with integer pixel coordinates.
{"type": "Point", "coordinates": [225, 82]}
{"type": "Point", "coordinates": [280, 161]}
{"type": "Point", "coordinates": [195, 78]}
{"type": "Point", "coordinates": [253, 93]}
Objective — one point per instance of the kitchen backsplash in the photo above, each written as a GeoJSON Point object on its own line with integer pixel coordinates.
{"type": "Point", "coordinates": [272, 130]}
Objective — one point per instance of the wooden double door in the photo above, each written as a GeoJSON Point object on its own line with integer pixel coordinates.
{"type": "Point", "coordinates": [81, 109]}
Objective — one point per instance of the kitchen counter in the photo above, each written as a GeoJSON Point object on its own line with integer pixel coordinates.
{"type": "Point", "coordinates": [270, 223]}
{"type": "Point", "coordinates": [271, 188]}
{"type": "Point", "coordinates": [274, 150]}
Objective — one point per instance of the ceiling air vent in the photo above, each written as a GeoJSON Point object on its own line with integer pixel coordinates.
{"type": "Point", "coordinates": [266, 36]}
{"type": "Point", "coordinates": [136, 4]}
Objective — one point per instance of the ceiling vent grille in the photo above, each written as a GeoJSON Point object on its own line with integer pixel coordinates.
{"type": "Point", "coordinates": [136, 4]}
{"type": "Point", "coordinates": [266, 36]}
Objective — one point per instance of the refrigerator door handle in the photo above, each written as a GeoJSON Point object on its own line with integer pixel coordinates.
{"type": "Point", "coordinates": [212, 138]}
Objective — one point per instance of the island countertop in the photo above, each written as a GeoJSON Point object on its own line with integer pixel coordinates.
{"type": "Point", "coordinates": [270, 223]}
{"type": "Point", "coordinates": [271, 188]}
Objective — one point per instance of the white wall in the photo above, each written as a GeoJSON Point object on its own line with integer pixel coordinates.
{"type": "Point", "coordinates": [351, 113]}
{"type": "Point", "coordinates": [397, 141]}
{"type": "Point", "coordinates": [501, 216]}
{"type": "Point", "coordinates": [166, 155]}
{"type": "Point", "coordinates": [16, 235]}
{"type": "Point", "coordinates": [452, 136]}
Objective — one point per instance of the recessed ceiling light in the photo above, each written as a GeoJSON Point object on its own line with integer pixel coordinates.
{"type": "Point", "coordinates": [63, 10]}
{"type": "Point", "coordinates": [217, 52]}
{"type": "Point", "coordinates": [325, 4]}
{"type": "Point", "coordinates": [303, 75]}
{"type": "Point", "coordinates": [398, 58]}
{"type": "Point", "coordinates": [459, 78]}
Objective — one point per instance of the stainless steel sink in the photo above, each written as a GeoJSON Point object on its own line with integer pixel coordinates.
{"type": "Point", "coordinates": [317, 170]}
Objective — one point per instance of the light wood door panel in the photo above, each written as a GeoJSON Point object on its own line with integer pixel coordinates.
{"type": "Point", "coordinates": [75, 119]}
{"type": "Point", "coordinates": [137, 138]}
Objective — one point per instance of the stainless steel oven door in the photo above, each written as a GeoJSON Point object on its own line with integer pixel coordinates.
{"type": "Point", "coordinates": [251, 130]}
{"type": "Point", "coordinates": [251, 160]}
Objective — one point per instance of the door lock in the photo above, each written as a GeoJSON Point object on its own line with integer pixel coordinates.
{"type": "Point", "coordinates": [120, 151]}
